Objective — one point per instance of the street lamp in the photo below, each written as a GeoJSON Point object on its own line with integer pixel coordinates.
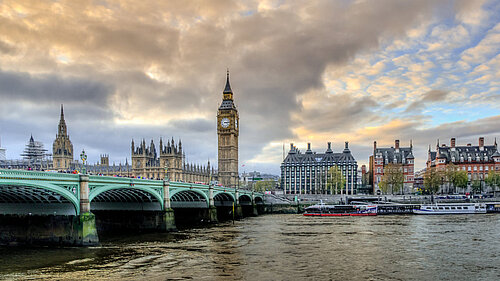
{"type": "Point", "coordinates": [83, 156]}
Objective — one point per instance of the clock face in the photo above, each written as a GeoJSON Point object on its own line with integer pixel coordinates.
{"type": "Point", "coordinates": [224, 122]}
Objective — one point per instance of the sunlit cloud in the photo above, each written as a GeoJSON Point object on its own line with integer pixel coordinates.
{"type": "Point", "coordinates": [338, 71]}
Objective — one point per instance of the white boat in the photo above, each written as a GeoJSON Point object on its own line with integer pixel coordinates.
{"type": "Point", "coordinates": [447, 209]}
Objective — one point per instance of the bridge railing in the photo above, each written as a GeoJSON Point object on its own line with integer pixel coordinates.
{"type": "Point", "coordinates": [22, 174]}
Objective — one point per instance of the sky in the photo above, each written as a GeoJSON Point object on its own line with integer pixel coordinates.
{"type": "Point", "coordinates": [301, 71]}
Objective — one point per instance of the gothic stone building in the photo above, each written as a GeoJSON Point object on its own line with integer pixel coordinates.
{"type": "Point", "coordinates": [476, 160]}
{"type": "Point", "coordinates": [401, 156]}
{"type": "Point", "coordinates": [168, 163]}
{"type": "Point", "coordinates": [62, 149]}
{"type": "Point", "coordinates": [307, 173]}
{"type": "Point", "coordinates": [227, 132]}
{"type": "Point", "coordinates": [146, 162]}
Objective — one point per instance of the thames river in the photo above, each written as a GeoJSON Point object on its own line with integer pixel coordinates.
{"type": "Point", "coordinates": [282, 247]}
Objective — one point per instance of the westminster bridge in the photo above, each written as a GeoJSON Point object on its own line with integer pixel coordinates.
{"type": "Point", "coordinates": [47, 208]}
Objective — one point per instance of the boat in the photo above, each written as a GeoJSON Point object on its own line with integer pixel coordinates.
{"type": "Point", "coordinates": [448, 209]}
{"type": "Point", "coordinates": [322, 210]}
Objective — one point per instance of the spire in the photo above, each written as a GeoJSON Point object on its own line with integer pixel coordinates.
{"type": "Point", "coordinates": [411, 144]}
{"type": "Point", "coordinates": [62, 131]}
{"type": "Point", "coordinates": [227, 89]}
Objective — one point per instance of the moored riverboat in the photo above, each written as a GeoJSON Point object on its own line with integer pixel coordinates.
{"type": "Point", "coordinates": [322, 210]}
{"type": "Point", "coordinates": [449, 209]}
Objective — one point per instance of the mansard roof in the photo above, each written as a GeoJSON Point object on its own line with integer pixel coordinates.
{"type": "Point", "coordinates": [296, 157]}
{"type": "Point", "coordinates": [391, 153]}
{"type": "Point", "coordinates": [462, 153]}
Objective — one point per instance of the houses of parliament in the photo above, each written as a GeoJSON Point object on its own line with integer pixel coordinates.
{"type": "Point", "coordinates": [167, 161]}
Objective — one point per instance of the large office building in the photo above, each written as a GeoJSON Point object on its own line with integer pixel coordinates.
{"type": "Point", "coordinates": [307, 173]}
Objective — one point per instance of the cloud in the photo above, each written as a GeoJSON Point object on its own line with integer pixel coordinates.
{"type": "Point", "coordinates": [430, 97]}
{"type": "Point", "coordinates": [299, 71]}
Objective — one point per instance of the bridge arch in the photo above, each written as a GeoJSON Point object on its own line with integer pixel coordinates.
{"type": "Point", "coordinates": [259, 200]}
{"type": "Point", "coordinates": [128, 194]}
{"type": "Point", "coordinates": [223, 199]}
{"type": "Point", "coordinates": [15, 191]}
{"type": "Point", "coordinates": [188, 198]}
{"type": "Point", "coordinates": [245, 199]}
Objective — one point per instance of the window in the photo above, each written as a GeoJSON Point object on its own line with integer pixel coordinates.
{"type": "Point", "coordinates": [469, 168]}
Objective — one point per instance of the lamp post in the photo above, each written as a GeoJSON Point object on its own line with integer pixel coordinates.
{"type": "Point", "coordinates": [83, 156]}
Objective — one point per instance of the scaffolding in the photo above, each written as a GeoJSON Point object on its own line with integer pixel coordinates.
{"type": "Point", "coordinates": [35, 154]}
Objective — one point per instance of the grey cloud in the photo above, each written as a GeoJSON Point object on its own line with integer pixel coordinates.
{"type": "Point", "coordinates": [429, 97]}
{"type": "Point", "coordinates": [339, 113]}
{"type": "Point", "coordinates": [43, 88]}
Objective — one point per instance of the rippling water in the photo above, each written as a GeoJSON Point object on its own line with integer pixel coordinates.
{"type": "Point", "coordinates": [282, 247]}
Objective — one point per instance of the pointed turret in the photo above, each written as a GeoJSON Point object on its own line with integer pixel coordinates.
{"type": "Point", "coordinates": [62, 129]}
{"type": "Point", "coordinates": [227, 100]}
{"type": "Point", "coordinates": [227, 89]}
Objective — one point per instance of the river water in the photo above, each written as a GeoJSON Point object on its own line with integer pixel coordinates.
{"type": "Point", "coordinates": [282, 247]}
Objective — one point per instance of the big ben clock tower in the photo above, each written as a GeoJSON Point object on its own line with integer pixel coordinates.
{"type": "Point", "coordinates": [228, 131]}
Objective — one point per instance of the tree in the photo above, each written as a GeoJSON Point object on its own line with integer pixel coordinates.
{"type": "Point", "coordinates": [336, 180]}
{"type": "Point", "coordinates": [432, 180]}
{"type": "Point", "coordinates": [450, 173]}
{"type": "Point", "coordinates": [476, 186]}
{"type": "Point", "coordinates": [461, 180]}
{"type": "Point", "coordinates": [264, 185]}
{"type": "Point", "coordinates": [493, 180]}
{"type": "Point", "coordinates": [392, 179]}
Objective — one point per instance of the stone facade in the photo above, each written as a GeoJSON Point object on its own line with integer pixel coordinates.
{"type": "Point", "coordinates": [168, 163]}
{"type": "Point", "coordinates": [62, 149]}
{"type": "Point", "coordinates": [227, 132]}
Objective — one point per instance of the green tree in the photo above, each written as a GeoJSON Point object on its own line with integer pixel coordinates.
{"type": "Point", "coordinates": [476, 186]}
{"type": "Point", "coordinates": [264, 185]}
{"type": "Point", "coordinates": [449, 174]}
{"type": "Point", "coordinates": [493, 180]}
{"type": "Point", "coordinates": [335, 180]}
{"type": "Point", "coordinates": [461, 180]}
{"type": "Point", "coordinates": [393, 179]}
{"type": "Point", "coordinates": [432, 180]}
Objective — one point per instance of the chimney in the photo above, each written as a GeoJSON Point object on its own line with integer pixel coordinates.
{"type": "Point", "coordinates": [291, 146]}
{"type": "Point", "coordinates": [397, 144]}
{"type": "Point", "coordinates": [481, 142]}
{"type": "Point", "coordinates": [452, 142]}
{"type": "Point", "coordinates": [374, 145]}
{"type": "Point", "coordinates": [329, 145]}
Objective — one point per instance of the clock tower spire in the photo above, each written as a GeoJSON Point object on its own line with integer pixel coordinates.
{"type": "Point", "coordinates": [227, 132]}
